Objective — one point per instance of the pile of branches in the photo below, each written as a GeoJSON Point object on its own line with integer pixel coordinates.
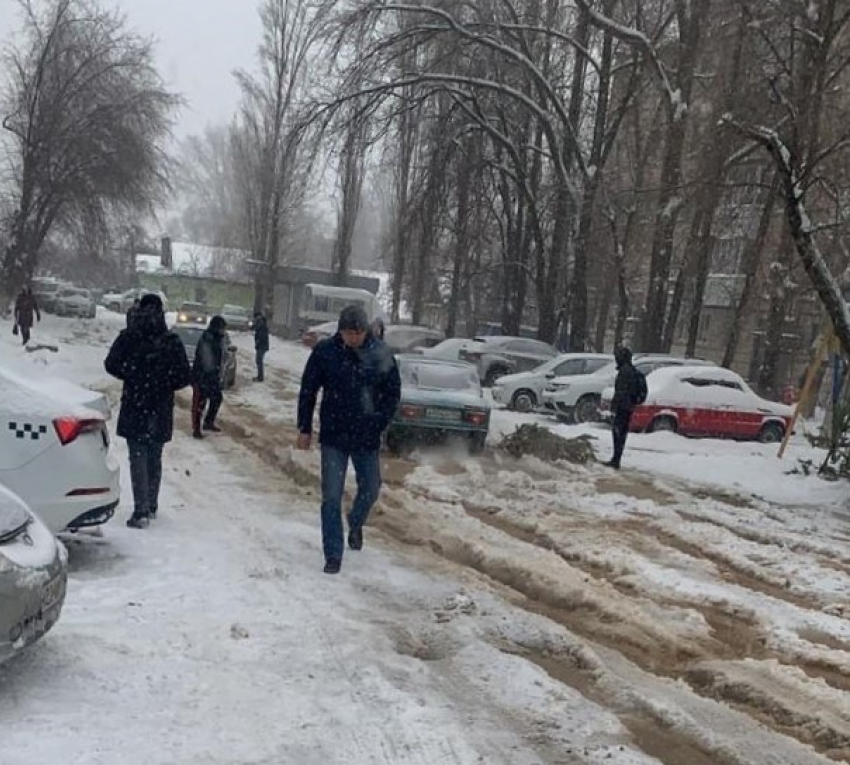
{"type": "Point", "coordinates": [542, 443]}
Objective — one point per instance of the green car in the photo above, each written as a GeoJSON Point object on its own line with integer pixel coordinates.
{"type": "Point", "coordinates": [439, 399]}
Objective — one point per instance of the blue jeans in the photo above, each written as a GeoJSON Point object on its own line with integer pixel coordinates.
{"type": "Point", "coordinates": [367, 469]}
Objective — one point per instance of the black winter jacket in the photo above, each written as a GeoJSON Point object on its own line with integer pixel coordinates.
{"type": "Point", "coordinates": [361, 389]}
{"type": "Point", "coordinates": [152, 363]}
{"type": "Point", "coordinates": [261, 334]}
{"type": "Point", "coordinates": [626, 389]}
{"type": "Point", "coordinates": [209, 356]}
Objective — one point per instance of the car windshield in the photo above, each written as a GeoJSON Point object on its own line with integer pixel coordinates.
{"type": "Point", "coordinates": [193, 307]}
{"type": "Point", "coordinates": [430, 376]}
{"type": "Point", "coordinates": [235, 310]}
{"type": "Point", "coordinates": [67, 293]}
{"type": "Point", "coordinates": [189, 335]}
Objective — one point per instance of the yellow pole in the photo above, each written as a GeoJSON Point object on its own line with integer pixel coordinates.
{"type": "Point", "coordinates": [811, 374]}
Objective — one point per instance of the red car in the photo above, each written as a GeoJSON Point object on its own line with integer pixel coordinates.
{"type": "Point", "coordinates": [707, 401]}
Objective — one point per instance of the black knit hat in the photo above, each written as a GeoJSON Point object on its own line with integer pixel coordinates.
{"type": "Point", "coordinates": [151, 302]}
{"type": "Point", "coordinates": [353, 317]}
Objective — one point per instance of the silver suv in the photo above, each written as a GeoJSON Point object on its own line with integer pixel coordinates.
{"type": "Point", "coordinates": [577, 399]}
{"type": "Point", "coordinates": [500, 355]}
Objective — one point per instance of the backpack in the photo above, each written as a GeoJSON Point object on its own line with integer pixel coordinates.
{"type": "Point", "coordinates": [640, 390]}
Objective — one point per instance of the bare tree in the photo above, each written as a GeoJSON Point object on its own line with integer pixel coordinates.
{"type": "Point", "coordinates": [86, 116]}
{"type": "Point", "coordinates": [270, 133]}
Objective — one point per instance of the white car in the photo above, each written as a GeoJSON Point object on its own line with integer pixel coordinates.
{"type": "Point", "coordinates": [573, 399]}
{"type": "Point", "coordinates": [447, 350]}
{"type": "Point", "coordinates": [33, 576]}
{"type": "Point", "coordinates": [54, 452]}
{"type": "Point", "coordinates": [523, 391]}
{"type": "Point", "coordinates": [74, 301]}
{"type": "Point", "coordinates": [121, 302]}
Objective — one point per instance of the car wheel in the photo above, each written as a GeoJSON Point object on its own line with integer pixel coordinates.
{"type": "Point", "coordinates": [663, 424]}
{"type": "Point", "coordinates": [493, 374]}
{"type": "Point", "coordinates": [524, 401]}
{"type": "Point", "coordinates": [477, 442]}
{"type": "Point", "coordinates": [772, 433]}
{"type": "Point", "coordinates": [587, 409]}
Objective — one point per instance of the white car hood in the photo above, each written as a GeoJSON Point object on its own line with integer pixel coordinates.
{"type": "Point", "coordinates": [516, 377]}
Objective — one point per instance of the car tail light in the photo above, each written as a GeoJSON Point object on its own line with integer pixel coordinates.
{"type": "Point", "coordinates": [411, 412]}
{"type": "Point", "coordinates": [68, 429]}
{"type": "Point", "coordinates": [475, 416]}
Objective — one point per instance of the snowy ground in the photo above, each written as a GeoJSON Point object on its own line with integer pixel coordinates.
{"type": "Point", "coordinates": [693, 609]}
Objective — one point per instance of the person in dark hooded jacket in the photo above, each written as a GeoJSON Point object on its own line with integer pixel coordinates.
{"type": "Point", "coordinates": [261, 343]}
{"type": "Point", "coordinates": [361, 388]}
{"type": "Point", "coordinates": [152, 364]}
{"type": "Point", "coordinates": [26, 310]}
{"type": "Point", "coordinates": [206, 374]}
{"type": "Point", "coordinates": [629, 391]}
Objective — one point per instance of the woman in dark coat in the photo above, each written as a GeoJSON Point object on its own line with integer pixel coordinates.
{"type": "Point", "coordinates": [152, 363]}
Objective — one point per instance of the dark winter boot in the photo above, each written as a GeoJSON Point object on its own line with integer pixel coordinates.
{"type": "Point", "coordinates": [139, 521]}
{"type": "Point", "coordinates": [197, 433]}
{"type": "Point", "coordinates": [212, 427]}
{"type": "Point", "coordinates": [611, 464]}
{"type": "Point", "coordinates": [355, 539]}
{"type": "Point", "coordinates": [333, 566]}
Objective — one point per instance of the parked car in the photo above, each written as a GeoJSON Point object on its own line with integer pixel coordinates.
{"type": "Point", "coordinates": [498, 355]}
{"type": "Point", "coordinates": [707, 401]}
{"type": "Point", "coordinates": [33, 576]}
{"type": "Point", "coordinates": [54, 452]}
{"type": "Point", "coordinates": [75, 301]}
{"type": "Point", "coordinates": [192, 313]}
{"type": "Point", "coordinates": [523, 391]}
{"type": "Point", "coordinates": [122, 301]}
{"type": "Point", "coordinates": [573, 399]}
{"type": "Point", "coordinates": [404, 338]}
{"type": "Point", "coordinates": [447, 350]}
{"type": "Point", "coordinates": [238, 319]}
{"type": "Point", "coordinates": [438, 399]}
{"type": "Point", "coordinates": [45, 290]}
{"type": "Point", "coordinates": [191, 333]}
{"type": "Point", "coordinates": [310, 337]}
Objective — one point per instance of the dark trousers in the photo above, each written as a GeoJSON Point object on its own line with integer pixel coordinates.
{"type": "Point", "coordinates": [25, 334]}
{"type": "Point", "coordinates": [260, 364]}
{"type": "Point", "coordinates": [620, 431]}
{"type": "Point", "coordinates": [367, 469]}
{"type": "Point", "coordinates": [145, 475]}
{"type": "Point", "coordinates": [201, 396]}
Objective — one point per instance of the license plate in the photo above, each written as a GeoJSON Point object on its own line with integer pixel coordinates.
{"type": "Point", "coordinates": [448, 415]}
{"type": "Point", "coordinates": [53, 591]}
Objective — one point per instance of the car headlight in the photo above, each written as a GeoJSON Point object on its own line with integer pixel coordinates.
{"type": "Point", "coordinates": [183, 317]}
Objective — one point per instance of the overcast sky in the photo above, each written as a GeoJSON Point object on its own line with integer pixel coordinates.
{"type": "Point", "coordinates": [199, 44]}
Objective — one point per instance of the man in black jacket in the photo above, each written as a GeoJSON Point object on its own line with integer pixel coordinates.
{"type": "Point", "coordinates": [628, 393]}
{"type": "Point", "coordinates": [361, 389]}
{"type": "Point", "coordinates": [261, 343]}
{"type": "Point", "coordinates": [206, 374]}
{"type": "Point", "coordinates": [152, 364]}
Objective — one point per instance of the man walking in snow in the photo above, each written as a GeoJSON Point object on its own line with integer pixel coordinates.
{"type": "Point", "coordinates": [206, 372]}
{"type": "Point", "coordinates": [26, 309]}
{"type": "Point", "coordinates": [261, 343]}
{"type": "Point", "coordinates": [361, 388]}
{"type": "Point", "coordinates": [152, 364]}
{"type": "Point", "coordinates": [629, 391]}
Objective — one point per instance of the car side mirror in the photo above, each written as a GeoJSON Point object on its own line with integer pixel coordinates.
{"type": "Point", "coordinates": [550, 375]}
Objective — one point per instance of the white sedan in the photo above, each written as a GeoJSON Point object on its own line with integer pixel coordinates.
{"type": "Point", "coordinates": [523, 391]}
{"type": "Point", "coordinates": [54, 452]}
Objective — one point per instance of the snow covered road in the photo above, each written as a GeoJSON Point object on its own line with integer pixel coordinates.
{"type": "Point", "coordinates": [502, 611]}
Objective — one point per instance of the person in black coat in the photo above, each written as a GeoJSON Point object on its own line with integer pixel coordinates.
{"type": "Point", "coordinates": [152, 364]}
{"type": "Point", "coordinates": [361, 388]}
{"type": "Point", "coordinates": [261, 343]}
{"type": "Point", "coordinates": [206, 375]}
{"type": "Point", "coordinates": [629, 390]}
